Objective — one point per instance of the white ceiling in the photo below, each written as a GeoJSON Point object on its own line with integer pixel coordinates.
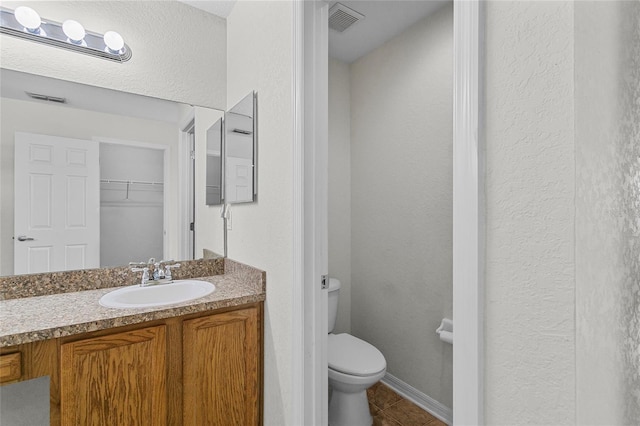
{"type": "Point", "coordinates": [221, 8]}
{"type": "Point", "coordinates": [384, 19]}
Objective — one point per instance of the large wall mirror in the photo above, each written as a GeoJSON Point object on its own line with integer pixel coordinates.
{"type": "Point", "coordinates": [92, 177]}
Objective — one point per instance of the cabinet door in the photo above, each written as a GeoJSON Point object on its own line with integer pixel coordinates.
{"type": "Point", "coordinates": [221, 369]}
{"type": "Point", "coordinates": [119, 379]}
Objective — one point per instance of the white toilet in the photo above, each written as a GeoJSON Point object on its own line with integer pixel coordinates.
{"type": "Point", "coordinates": [354, 366]}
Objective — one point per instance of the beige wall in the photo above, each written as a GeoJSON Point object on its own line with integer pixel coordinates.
{"type": "Point", "coordinates": [401, 202]}
{"type": "Point", "coordinates": [339, 192]}
{"type": "Point", "coordinates": [167, 39]}
{"type": "Point", "coordinates": [209, 224]}
{"type": "Point", "coordinates": [259, 44]}
{"type": "Point", "coordinates": [607, 82]}
{"type": "Point", "coordinates": [530, 218]}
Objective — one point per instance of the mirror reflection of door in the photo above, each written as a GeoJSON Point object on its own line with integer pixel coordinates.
{"type": "Point", "coordinates": [63, 222]}
{"type": "Point", "coordinates": [56, 206]}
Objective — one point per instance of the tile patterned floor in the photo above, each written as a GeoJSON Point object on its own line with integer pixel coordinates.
{"type": "Point", "coordinates": [390, 409]}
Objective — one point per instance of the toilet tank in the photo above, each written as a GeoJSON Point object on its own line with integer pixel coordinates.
{"type": "Point", "coordinates": [334, 291]}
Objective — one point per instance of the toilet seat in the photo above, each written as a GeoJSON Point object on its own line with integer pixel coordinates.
{"type": "Point", "coordinates": [350, 355]}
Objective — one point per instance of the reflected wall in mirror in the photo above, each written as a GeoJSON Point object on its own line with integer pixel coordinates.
{"type": "Point", "coordinates": [78, 158]}
{"type": "Point", "coordinates": [214, 164]}
{"type": "Point", "coordinates": [241, 151]}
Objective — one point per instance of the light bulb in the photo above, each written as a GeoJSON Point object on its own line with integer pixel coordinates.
{"type": "Point", "coordinates": [73, 30]}
{"type": "Point", "coordinates": [28, 18]}
{"type": "Point", "coordinates": [114, 41]}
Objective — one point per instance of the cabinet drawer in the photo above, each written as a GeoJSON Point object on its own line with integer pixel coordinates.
{"type": "Point", "coordinates": [10, 367]}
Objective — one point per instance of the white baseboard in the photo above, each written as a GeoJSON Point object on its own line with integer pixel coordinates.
{"type": "Point", "coordinates": [422, 400]}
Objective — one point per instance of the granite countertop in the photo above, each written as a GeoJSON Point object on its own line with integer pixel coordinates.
{"type": "Point", "coordinates": [29, 319]}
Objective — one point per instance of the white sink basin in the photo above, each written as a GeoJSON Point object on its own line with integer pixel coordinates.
{"type": "Point", "coordinates": [157, 295]}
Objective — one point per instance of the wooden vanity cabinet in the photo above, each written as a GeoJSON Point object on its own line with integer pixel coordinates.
{"type": "Point", "coordinates": [118, 379]}
{"type": "Point", "coordinates": [199, 369]}
{"type": "Point", "coordinates": [220, 376]}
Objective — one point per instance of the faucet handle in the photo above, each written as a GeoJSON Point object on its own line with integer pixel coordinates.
{"type": "Point", "coordinates": [145, 275]}
{"type": "Point", "coordinates": [168, 268]}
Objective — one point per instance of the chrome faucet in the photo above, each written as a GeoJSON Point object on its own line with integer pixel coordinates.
{"type": "Point", "coordinates": [158, 271]}
{"type": "Point", "coordinates": [161, 271]}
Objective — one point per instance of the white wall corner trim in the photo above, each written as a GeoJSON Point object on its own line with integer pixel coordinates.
{"type": "Point", "coordinates": [299, 362]}
{"type": "Point", "coordinates": [436, 408]}
{"type": "Point", "coordinates": [468, 214]}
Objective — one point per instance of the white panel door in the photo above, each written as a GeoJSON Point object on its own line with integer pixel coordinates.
{"type": "Point", "coordinates": [57, 204]}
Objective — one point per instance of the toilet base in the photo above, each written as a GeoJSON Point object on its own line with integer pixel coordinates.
{"type": "Point", "coordinates": [349, 409]}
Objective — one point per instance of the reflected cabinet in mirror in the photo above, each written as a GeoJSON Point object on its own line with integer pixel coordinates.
{"type": "Point", "coordinates": [93, 177]}
{"type": "Point", "coordinates": [241, 151]}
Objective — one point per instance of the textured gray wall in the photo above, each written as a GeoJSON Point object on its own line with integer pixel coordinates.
{"type": "Point", "coordinates": [339, 193]}
{"type": "Point", "coordinates": [607, 76]}
{"type": "Point", "coordinates": [401, 218]}
{"type": "Point", "coordinates": [530, 214]}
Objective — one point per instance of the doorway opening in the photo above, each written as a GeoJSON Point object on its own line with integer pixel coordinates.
{"type": "Point", "coordinates": [132, 202]}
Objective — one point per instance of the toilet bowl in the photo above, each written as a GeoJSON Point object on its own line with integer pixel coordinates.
{"type": "Point", "coordinates": [354, 366]}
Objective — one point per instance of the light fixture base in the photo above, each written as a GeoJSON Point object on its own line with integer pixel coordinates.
{"type": "Point", "coordinates": [51, 33]}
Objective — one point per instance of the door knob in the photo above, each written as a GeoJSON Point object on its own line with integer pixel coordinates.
{"type": "Point", "coordinates": [24, 238]}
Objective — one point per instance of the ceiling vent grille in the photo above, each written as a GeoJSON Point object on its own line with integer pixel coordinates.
{"type": "Point", "coordinates": [47, 98]}
{"type": "Point", "coordinates": [341, 17]}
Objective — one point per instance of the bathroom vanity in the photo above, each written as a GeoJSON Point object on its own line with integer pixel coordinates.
{"type": "Point", "coordinates": [194, 363]}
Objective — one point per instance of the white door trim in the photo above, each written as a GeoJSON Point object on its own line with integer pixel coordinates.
{"type": "Point", "coordinates": [468, 214]}
{"type": "Point", "coordinates": [185, 180]}
{"type": "Point", "coordinates": [309, 76]}
{"type": "Point", "coordinates": [310, 156]}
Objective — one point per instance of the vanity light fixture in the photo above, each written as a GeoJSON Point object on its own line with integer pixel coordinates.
{"type": "Point", "coordinates": [26, 23]}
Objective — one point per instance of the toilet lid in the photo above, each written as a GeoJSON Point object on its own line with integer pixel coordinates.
{"type": "Point", "coordinates": [350, 355]}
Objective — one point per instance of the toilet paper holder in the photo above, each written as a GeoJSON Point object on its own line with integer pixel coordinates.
{"type": "Point", "coordinates": [445, 331]}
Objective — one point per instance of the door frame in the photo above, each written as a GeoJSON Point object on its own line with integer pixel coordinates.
{"type": "Point", "coordinates": [310, 181]}
{"type": "Point", "coordinates": [309, 97]}
{"type": "Point", "coordinates": [468, 212]}
{"type": "Point", "coordinates": [186, 170]}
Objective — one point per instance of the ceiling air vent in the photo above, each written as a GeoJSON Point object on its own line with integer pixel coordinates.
{"type": "Point", "coordinates": [40, 97]}
{"type": "Point", "coordinates": [341, 17]}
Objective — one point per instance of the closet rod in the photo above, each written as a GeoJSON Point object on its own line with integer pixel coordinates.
{"type": "Point", "coordinates": [130, 182]}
